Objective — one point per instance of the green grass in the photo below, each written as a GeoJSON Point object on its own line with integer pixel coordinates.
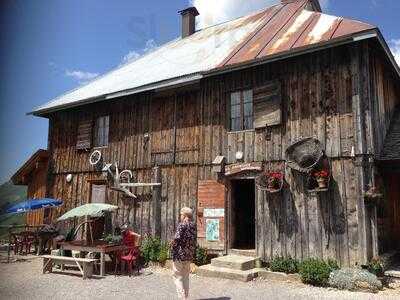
{"type": "Point", "coordinates": [10, 194]}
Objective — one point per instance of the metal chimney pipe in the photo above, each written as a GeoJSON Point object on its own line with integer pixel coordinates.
{"type": "Point", "coordinates": [188, 21]}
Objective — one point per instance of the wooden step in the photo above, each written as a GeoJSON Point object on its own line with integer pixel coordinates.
{"type": "Point", "coordinates": [236, 262]}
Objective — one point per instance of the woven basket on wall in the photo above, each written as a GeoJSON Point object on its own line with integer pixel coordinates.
{"type": "Point", "coordinates": [304, 155]}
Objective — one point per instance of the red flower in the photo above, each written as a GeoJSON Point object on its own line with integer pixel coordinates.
{"type": "Point", "coordinates": [276, 175]}
{"type": "Point", "coordinates": [321, 174]}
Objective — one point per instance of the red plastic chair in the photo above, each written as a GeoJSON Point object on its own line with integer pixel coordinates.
{"type": "Point", "coordinates": [130, 256]}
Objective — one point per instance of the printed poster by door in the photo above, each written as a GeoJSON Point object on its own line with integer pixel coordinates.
{"type": "Point", "coordinates": [212, 229]}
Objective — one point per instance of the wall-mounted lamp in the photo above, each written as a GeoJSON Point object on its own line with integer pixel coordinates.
{"type": "Point", "coordinates": [239, 155]}
{"type": "Point", "coordinates": [69, 178]}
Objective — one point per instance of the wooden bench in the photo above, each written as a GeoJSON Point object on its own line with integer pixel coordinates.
{"type": "Point", "coordinates": [85, 265]}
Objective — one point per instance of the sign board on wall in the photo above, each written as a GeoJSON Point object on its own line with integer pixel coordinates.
{"type": "Point", "coordinates": [214, 212]}
{"type": "Point", "coordinates": [211, 214]}
{"type": "Point", "coordinates": [237, 168]}
{"type": "Point", "coordinates": [212, 229]}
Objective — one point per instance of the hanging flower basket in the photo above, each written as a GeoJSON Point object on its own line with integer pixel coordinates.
{"type": "Point", "coordinates": [272, 182]}
{"type": "Point", "coordinates": [373, 194]}
{"type": "Point", "coordinates": [322, 178]}
{"type": "Point", "coordinates": [319, 180]}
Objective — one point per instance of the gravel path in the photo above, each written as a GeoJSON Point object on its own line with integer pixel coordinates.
{"type": "Point", "coordinates": [23, 280]}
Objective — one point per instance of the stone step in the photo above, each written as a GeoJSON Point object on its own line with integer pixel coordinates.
{"type": "Point", "coordinates": [218, 272]}
{"type": "Point", "coordinates": [395, 273]}
{"type": "Point", "coordinates": [236, 262]}
{"type": "Point", "coordinates": [244, 252]}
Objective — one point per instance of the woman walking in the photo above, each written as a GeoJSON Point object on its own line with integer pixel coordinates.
{"type": "Point", "coordinates": [183, 248]}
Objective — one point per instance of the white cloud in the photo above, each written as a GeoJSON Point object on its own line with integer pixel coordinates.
{"type": "Point", "coordinates": [214, 12]}
{"type": "Point", "coordinates": [395, 47]}
{"type": "Point", "coordinates": [81, 76]}
{"type": "Point", "coordinates": [134, 55]}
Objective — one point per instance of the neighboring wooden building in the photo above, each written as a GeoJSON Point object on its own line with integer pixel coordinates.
{"type": "Point", "coordinates": [34, 174]}
{"type": "Point", "coordinates": [218, 108]}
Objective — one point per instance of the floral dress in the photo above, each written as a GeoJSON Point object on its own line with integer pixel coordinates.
{"type": "Point", "coordinates": [185, 242]}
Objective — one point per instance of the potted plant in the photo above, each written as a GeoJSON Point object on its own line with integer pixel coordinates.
{"type": "Point", "coordinates": [274, 181]}
{"type": "Point", "coordinates": [321, 177]}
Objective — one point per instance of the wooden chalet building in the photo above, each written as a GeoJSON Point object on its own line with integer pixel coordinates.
{"type": "Point", "coordinates": [210, 112]}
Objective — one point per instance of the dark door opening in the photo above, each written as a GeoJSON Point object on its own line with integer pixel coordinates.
{"type": "Point", "coordinates": [243, 214]}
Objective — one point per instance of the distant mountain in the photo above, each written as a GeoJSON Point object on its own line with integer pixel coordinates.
{"type": "Point", "coordinates": [9, 194]}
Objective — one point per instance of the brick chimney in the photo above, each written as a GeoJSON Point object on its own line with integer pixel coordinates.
{"type": "Point", "coordinates": [311, 5]}
{"type": "Point", "coordinates": [188, 21]}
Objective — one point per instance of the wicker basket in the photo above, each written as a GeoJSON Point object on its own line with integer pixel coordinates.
{"type": "Point", "coordinates": [304, 155]}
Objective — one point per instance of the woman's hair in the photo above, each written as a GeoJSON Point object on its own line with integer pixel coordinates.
{"type": "Point", "coordinates": [187, 211]}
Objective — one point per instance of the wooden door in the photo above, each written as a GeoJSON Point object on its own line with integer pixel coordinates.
{"type": "Point", "coordinates": [392, 222]}
{"type": "Point", "coordinates": [211, 215]}
{"type": "Point", "coordinates": [98, 193]}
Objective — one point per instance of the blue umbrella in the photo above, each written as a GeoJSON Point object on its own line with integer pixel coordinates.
{"type": "Point", "coordinates": [33, 204]}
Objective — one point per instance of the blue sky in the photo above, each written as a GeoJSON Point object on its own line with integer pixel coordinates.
{"type": "Point", "coordinates": [51, 46]}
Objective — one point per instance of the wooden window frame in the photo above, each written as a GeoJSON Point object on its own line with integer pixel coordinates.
{"type": "Point", "coordinates": [242, 112]}
{"type": "Point", "coordinates": [104, 143]}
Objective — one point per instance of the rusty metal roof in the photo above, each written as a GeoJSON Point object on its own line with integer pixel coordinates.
{"type": "Point", "coordinates": [287, 27]}
{"type": "Point", "coordinates": [278, 29]}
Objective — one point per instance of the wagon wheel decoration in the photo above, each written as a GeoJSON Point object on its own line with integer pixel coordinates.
{"type": "Point", "coordinates": [95, 157]}
{"type": "Point", "coordinates": [125, 176]}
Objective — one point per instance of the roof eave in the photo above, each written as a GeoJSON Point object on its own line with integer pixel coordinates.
{"type": "Point", "coordinates": [367, 34]}
{"type": "Point", "coordinates": [170, 83]}
{"type": "Point", "coordinates": [27, 167]}
{"type": "Point", "coordinates": [192, 78]}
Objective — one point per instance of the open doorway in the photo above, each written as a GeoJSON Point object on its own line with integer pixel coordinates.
{"type": "Point", "coordinates": [243, 214]}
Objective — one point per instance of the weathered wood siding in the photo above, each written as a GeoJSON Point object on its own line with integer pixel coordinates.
{"type": "Point", "coordinates": [385, 97]}
{"type": "Point", "coordinates": [37, 188]}
{"type": "Point", "coordinates": [322, 95]}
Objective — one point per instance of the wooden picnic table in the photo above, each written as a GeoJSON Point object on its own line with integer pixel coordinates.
{"type": "Point", "coordinates": [97, 247]}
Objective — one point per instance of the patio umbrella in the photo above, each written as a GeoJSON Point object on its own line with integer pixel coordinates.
{"type": "Point", "coordinates": [91, 209]}
{"type": "Point", "coordinates": [33, 204]}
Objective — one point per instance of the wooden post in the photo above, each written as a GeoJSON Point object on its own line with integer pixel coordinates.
{"type": "Point", "coordinates": [156, 201]}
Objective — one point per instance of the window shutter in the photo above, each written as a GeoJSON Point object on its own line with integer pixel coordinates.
{"type": "Point", "coordinates": [267, 105]}
{"type": "Point", "coordinates": [84, 138]}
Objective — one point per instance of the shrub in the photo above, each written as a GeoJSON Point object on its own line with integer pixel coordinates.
{"type": "Point", "coordinates": [354, 279]}
{"type": "Point", "coordinates": [375, 266]}
{"type": "Point", "coordinates": [285, 265]}
{"type": "Point", "coordinates": [153, 249]}
{"type": "Point", "coordinates": [163, 255]}
{"type": "Point", "coordinates": [315, 271]}
{"type": "Point", "coordinates": [201, 256]}
{"type": "Point", "coordinates": [333, 264]}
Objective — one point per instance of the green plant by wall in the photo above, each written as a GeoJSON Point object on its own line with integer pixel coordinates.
{"type": "Point", "coordinates": [163, 255]}
{"type": "Point", "coordinates": [315, 271]}
{"type": "Point", "coordinates": [154, 250]}
{"type": "Point", "coordinates": [201, 256]}
{"type": "Point", "coordinates": [285, 265]}
{"type": "Point", "coordinates": [375, 266]}
{"type": "Point", "coordinates": [333, 264]}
